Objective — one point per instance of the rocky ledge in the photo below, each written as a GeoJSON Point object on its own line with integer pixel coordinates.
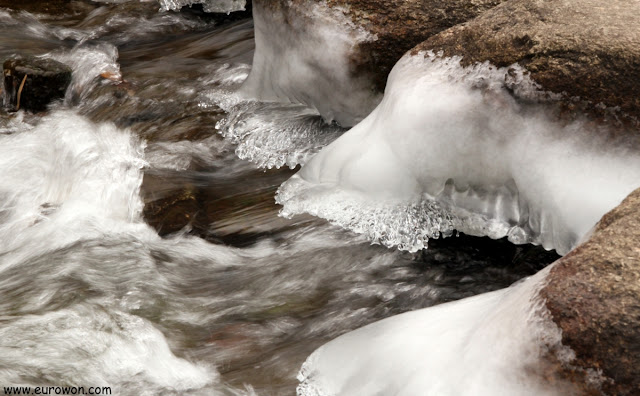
{"type": "Point", "coordinates": [583, 49]}
{"type": "Point", "coordinates": [593, 295]}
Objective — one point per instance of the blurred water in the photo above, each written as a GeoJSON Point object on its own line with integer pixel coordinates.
{"type": "Point", "coordinates": [91, 295]}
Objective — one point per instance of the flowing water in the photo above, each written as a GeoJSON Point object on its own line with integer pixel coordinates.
{"type": "Point", "coordinates": [229, 301]}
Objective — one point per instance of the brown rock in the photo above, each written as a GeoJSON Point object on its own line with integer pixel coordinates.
{"type": "Point", "coordinates": [583, 48]}
{"type": "Point", "coordinates": [219, 210]}
{"type": "Point", "coordinates": [593, 295]}
{"type": "Point", "coordinates": [398, 26]}
{"type": "Point", "coordinates": [32, 83]}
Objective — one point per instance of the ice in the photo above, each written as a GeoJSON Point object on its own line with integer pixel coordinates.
{"type": "Point", "coordinates": [273, 135]}
{"type": "Point", "coordinates": [220, 6]}
{"type": "Point", "coordinates": [268, 134]}
{"type": "Point", "coordinates": [471, 149]}
{"type": "Point", "coordinates": [497, 343]}
{"type": "Point", "coordinates": [305, 59]}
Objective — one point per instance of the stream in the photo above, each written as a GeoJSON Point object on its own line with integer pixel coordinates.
{"type": "Point", "coordinates": [97, 288]}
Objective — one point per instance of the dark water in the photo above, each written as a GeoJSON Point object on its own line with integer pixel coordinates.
{"type": "Point", "coordinates": [220, 296]}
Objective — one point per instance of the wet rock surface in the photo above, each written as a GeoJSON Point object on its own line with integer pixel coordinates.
{"type": "Point", "coordinates": [213, 208]}
{"type": "Point", "coordinates": [583, 48]}
{"type": "Point", "coordinates": [593, 294]}
{"type": "Point", "coordinates": [32, 83]}
{"type": "Point", "coordinates": [398, 26]}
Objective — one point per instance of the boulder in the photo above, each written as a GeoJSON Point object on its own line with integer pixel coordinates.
{"type": "Point", "coordinates": [593, 296]}
{"type": "Point", "coordinates": [579, 48]}
{"type": "Point", "coordinates": [335, 55]}
{"type": "Point", "coordinates": [32, 83]}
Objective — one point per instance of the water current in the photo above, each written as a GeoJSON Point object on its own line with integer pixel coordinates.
{"type": "Point", "coordinates": [137, 251]}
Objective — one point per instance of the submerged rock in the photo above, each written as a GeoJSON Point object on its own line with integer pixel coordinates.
{"type": "Point", "coordinates": [593, 295]}
{"type": "Point", "coordinates": [33, 83]}
{"type": "Point", "coordinates": [335, 56]}
{"type": "Point", "coordinates": [582, 48]}
{"type": "Point", "coordinates": [214, 209]}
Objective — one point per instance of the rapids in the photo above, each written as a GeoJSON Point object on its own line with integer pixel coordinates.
{"type": "Point", "coordinates": [92, 295]}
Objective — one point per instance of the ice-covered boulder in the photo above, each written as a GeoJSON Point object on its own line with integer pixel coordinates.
{"type": "Point", "coordinates": [583, 48]}
{"type": "Point", "coordinates": [468, 149]}
{"type": "Point", "coordinates": [572, 329]}
{"type": "Point", "coordinates": [335, 55]}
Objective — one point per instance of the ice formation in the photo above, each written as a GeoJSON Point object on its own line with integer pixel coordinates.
{"type": "Point", "coordinates": [219, 6]}
{"type": "Point", "coordinates": [268, 134]}
{"type": "Point", "coordinates": [273, 135]}
{"type": "Point", "coordinates": [492, 344]}
{"type": "Point", "coordinates": [305, 60]}
{"type": "Point", "coordinates": [452, 148]}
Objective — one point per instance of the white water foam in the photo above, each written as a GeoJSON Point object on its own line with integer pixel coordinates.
{"type": "Point", "coordinates": [89, 63]}
{"type": "Point", "coordinates": [451, 148]}
{"type": "Point", "coordinates": [81, 346]}
{"type": "Point", "coordinates": [67, 181]}
{"type": "Point", "coordinates": [68, 158]}
{"type": "Point", "coordinates": [492, 344]}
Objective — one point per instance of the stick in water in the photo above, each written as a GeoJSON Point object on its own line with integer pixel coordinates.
{"type": "Point", "coordinates": [20, 91]}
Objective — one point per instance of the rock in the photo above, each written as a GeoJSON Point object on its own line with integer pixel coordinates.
{"type": "Point", "coordinates": [37, 6]}
{"type": "Point", "coordinates": [33, 83]}
{"type": "Point", "coordinates": [335, 56]}
{"type": "Point", "coordinates": [593, 295]}
{"type": "Point", "coordinates": [582, 48]}
{"type": "Point", "coordinates": [217, 210]}
{"type": "Point", "coordinates": [169, 205]}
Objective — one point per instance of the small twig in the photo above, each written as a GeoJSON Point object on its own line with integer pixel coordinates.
{"type": "Point", "coordinates": [20, 91]}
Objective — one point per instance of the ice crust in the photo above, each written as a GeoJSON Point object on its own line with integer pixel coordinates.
{"type": "Point", "coordinates": [305, 60]}
{"type": "Point", "coordinates": [219, 6]}
{"type": "Point", "coordinates": [272, 135]}
{"type": "Point", "coordinates": [470, 149]}
{"type": "Point", "coordinates": [492, 344]}
{"type": "Point", "coordinates": [268, 134]}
